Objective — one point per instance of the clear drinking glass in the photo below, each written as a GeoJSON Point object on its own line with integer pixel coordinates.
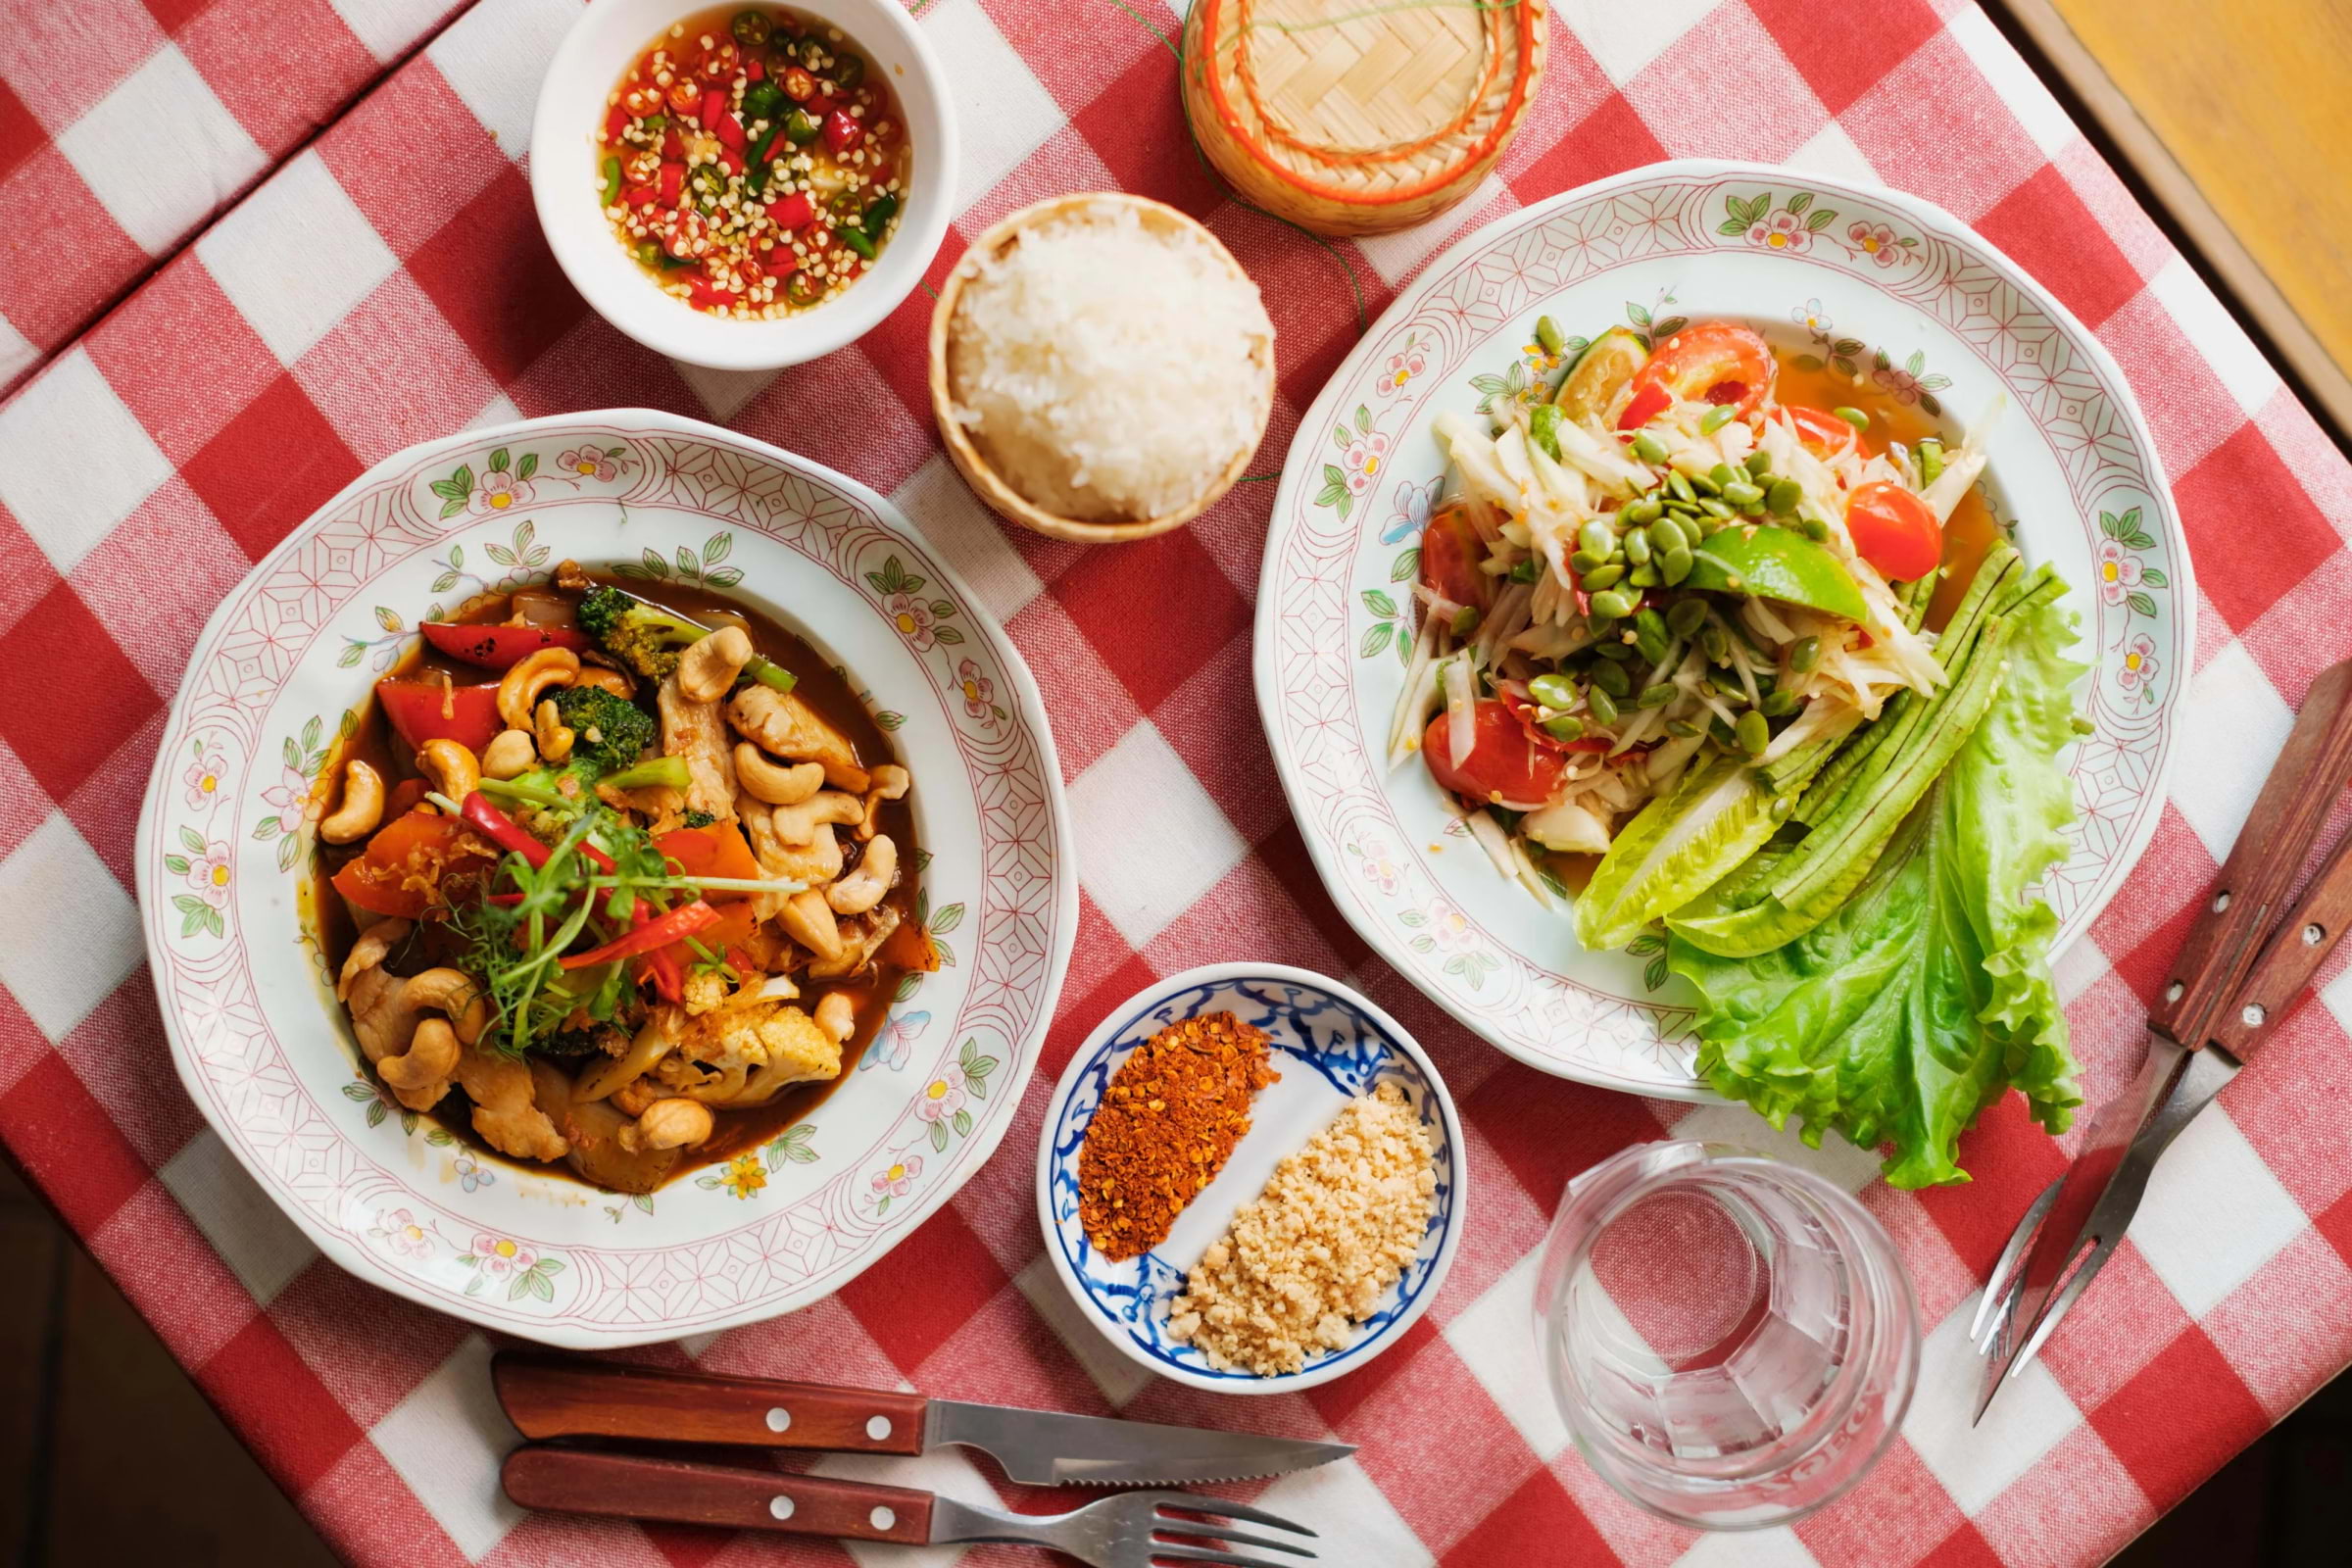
{"type": "Point", "coordinates": [1732, 1340]}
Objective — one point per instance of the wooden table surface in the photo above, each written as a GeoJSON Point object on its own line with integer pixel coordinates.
{"type": "Point", "coordinates": [2249, 105]}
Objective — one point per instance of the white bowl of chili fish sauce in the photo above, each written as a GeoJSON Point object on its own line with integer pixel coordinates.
{"type": "Point", "coordinates": [829, 134]}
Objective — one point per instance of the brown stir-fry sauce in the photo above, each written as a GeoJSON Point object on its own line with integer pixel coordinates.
{"type": "Point", "coordinates": [823, 688]}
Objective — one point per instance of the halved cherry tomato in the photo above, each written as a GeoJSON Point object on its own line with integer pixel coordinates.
{"type": "Point", "coordinates": [1503, 767]}
{"type": "Point", "coordinates": [1821, 434]}
{"type": "Point", "coordinates": [1715, 362]}
{"type": "Point", "coordinates": [402, 869]}
{"type": "Point", "coordinates": [1525, 713]}
{"type": "Point", "coordinates": [715, 851]}
{"type": "Point", "coordinates": [499, 646]}
{"type": "Point", "coordinates": [1894, 531]}
{"type": "Point", "coordinates": [423, 711]}
{"type": "Point", "coordinates": [1450, 551]}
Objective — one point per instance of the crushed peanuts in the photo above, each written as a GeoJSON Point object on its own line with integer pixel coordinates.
{"type": "Point", "coordinates": [1313, 1254]}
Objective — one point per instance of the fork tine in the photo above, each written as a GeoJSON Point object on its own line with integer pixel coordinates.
{"type": "Point", "coordinates": [2001, 1285]}
{"type": "Point", "coordinates": [1193, 1527]}
{"type": "Point", "coordinates": [1203, 1554]}
{"type": "Point", "coordinates": [1194, 1502]}
{"type": "Point", "coordinates": [2068, 1293]}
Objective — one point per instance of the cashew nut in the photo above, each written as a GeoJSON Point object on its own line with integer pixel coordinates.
{"type": "Point", "coordinates": [808, 920]}
{"type": "Point", "coordinates": [864, 888]}
{"type": "Point", "coordinates": [667, 1124]}
{"type": "Point", "coordinates": [605, 678]}
{"type": "Point", "coordinates": [836, 1016]}
{"type": "Point", "coordinates": [555, 736]}
{"type": "Point", "coordinates": [452, 992]}
{"type": "Point", "coordinates": [890, 783]}
{"type": "Point", "coordinates": [450, 767]}
{"type": "Point", "coordinates": [798, 824]}
{"type": "Point", "coordinates": [774, 782]}
{"type": "Point", "coordinates": [420, 1076]}
{"type": "Point", "coordinates": [707, 670]}
{"type": "Point", "coordinates": [363, 805]}
{"type": "Point", "coordinates": [519, 687]}
{"type": "Point", "coordinates": [510, 752]}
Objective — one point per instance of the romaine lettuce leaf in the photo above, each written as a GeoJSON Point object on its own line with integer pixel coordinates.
{"type": "Point", "coordinates": [1675, 848]}
{"type": "Point", "coordinates": [1899, 1018]}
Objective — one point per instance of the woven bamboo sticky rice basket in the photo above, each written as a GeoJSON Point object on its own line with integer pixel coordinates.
{"type": "Point", "coordinates": [1354, 117]}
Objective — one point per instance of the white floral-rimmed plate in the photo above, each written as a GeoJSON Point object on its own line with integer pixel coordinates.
{"type": "Point", "coordinates": [1329, 1044]}
{"type": "Point", "coordinates": [1878, 283]}
{"type": "Point", "coordinates": [225, 846]}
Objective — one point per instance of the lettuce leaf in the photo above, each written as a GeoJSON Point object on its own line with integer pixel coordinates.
{"type": "Point", "coordinates": [1674, 850]}
{"type": "Point", "coordinates": [1927, 994]}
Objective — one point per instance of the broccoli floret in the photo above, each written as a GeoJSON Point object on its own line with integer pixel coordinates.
{"type": "Point", "coordinates": [697, 818]}
{"type": "Point", "coordinates": [645, 638]}
{"type": "Point", "coordinates": [609, 731]}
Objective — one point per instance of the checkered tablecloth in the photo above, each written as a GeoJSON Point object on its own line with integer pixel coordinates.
{"type": "Point", "coordinates": [387, 283]}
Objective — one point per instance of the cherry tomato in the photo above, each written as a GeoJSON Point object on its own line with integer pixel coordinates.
{"type": "Point", "coordinates": [1824, 434]}
{"type": "Point", "coordinates": [1504, 765]}
{"type": "Point", "coordinates": [499, 646]}
{"type": "Point", "coordinates": [421, 711]}
{"type": "Point", "coordinates": [1894, 531]}
{"type": "Point", "coordinates": [1715, 362]}
{"type": "Point", "coordinates": [1450, 551]}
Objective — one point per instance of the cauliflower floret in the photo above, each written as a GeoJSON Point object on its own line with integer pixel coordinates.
{"type": "Point", "coordinates": [762, 1034]}
{"type": "Point", "coordinates": [705, 990]}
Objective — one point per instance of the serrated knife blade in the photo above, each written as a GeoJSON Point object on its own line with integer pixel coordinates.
{"type": "Point", "coordinates": [1045, 1448]}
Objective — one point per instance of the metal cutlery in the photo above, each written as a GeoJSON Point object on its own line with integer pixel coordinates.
{"type": "Point", "coordinates": [1128, 1529]}
{"type": "Point", "coordinates": [2238, 973]}
{"type": "Point", "coordinates": [559, 1396]}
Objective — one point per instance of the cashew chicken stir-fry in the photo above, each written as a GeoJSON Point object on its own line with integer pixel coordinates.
{"type": "Point", "coordinates": [618, 881]}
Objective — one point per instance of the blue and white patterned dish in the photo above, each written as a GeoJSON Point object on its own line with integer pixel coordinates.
{"type": "Point", "coordinates": [1330, 1044]}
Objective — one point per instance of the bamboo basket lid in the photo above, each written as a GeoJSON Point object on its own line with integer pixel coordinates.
{"type": "Point", "coordinates": [1352, 117]}
{"type": "Point", "coordinates": [994, 488]}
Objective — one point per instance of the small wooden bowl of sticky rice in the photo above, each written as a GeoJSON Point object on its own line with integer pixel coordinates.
{"type": "Point", "coordinates": [1102, 368]}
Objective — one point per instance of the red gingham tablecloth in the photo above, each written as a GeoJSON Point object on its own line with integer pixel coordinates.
{"type": "Point", "coordinates": [388, 283]}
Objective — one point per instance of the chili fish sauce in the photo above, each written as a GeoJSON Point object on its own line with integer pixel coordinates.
{"type": "Point", "coordinates": [753, 161]}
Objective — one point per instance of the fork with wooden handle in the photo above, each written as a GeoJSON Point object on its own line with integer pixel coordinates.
{"type": "Point", "coordinates": [1129, 1529]}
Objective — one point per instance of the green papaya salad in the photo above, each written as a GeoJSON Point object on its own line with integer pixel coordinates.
{"type": "Point", "coordinates": [1720, 641]}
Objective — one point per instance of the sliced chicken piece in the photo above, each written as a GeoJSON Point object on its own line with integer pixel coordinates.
{"type": "Point", "coordinates": [695, 731]}
{"type": "Point", "coordinates": [505, 1111]}
{"type": "Point", "coordinates": [782, 725]}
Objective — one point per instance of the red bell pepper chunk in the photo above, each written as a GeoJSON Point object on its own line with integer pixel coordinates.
{"type": "Point", "coordinates": [714, 106]}
{"type": "Point", "coordinates": [658, 932]}
{"type": "Point", "coordinates": [794, 211]}
{"type": "Point", "coordinates": [499, 646]}
{"type": "Point", "coordinates": [421, 711]}
{"type": "Point", "coordinates": [400, 872]}
{"type": "Point", "coordinates": [671, 183]}
{"type": "Point", "coordinates": [842, 133]}
{"type": "Point", "coordinates": [729, 130]}
{"type": "Point", "coordinates": [407, 795]}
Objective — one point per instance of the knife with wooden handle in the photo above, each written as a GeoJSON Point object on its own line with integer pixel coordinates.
{"type": "Point", "coordinates": [561, 1397]}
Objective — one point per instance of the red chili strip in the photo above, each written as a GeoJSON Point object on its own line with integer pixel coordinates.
{"type": "Point", "coordinates": [661, 932]}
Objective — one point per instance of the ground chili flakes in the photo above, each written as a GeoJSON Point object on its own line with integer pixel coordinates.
{"type": "Point", "coordinates": [1166, 1125]}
